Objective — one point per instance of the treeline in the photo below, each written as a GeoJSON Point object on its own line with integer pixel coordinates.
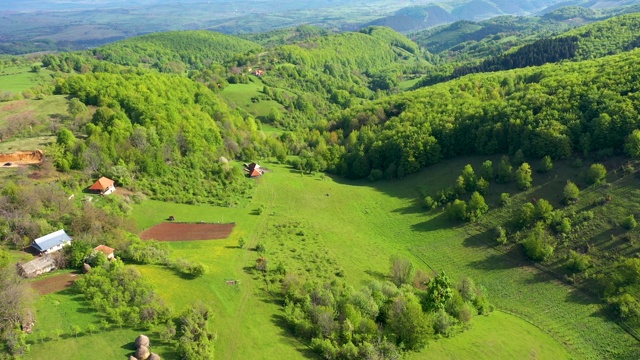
{"type": "Point", "coordinates": [165, 131]}
{"type": "Point", "coordinates": [553, 110]}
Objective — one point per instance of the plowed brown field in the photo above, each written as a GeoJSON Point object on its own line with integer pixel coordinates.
{"type": "Point", "coordinates": [170, 231]}
{"type": "Point", "coordinates": [53, 283]}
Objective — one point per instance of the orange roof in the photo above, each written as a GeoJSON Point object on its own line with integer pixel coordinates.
{"type": "Point", "coordinates": [102, 184]}
{"type": "Point", "coordinates": [104, 249]}
{"type": "Point", "coordinates": [255, 173]}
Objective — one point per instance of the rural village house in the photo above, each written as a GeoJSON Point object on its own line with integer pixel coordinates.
{"type": "Point", "coordinates": [253, 169]}
{"type": "Point", "coordinates": [52, 242]}
{"type": "Point", "coordinates": [104, 186]}
{"type": "Point", "coordinates": [105, 250]}
{"type": "Point", "coordinates": [36, 267]}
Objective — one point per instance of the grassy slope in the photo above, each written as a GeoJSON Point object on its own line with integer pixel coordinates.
{"type": "Point", "coordinates": [17, 79]}
{"type": "Point", "coordinates": [492, 337]}
{"type": "Point", "coordinates": [357, 226]}
{"type": "Point", "coordinates": [240, 95]}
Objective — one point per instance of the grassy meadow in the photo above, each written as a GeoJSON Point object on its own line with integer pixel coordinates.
{"type": "Point", "coordinates": [325, 227]}
{"type": "Point", "coordinates": [250, 98]}
{"type": "Point", "coordinates": [16, 79]}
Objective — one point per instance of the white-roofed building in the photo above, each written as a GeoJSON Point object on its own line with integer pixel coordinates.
{"type": "Point", "coordinates": [52, 242]}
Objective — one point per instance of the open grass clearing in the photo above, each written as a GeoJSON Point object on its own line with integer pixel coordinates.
{"type": "Point", "coordinates": [250, 98]}
{"type": "Point", "coordinates": [16, 79]}
{"type": "Point", "coordinates": [497, 336]}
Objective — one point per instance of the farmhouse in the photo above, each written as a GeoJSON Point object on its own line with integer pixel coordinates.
{"type": "Point", "coordinates": [104, 186]}
{"type": "Point", "coordinates": [36, 267]}
{"type": "Point", "coordinates": [105, 250]}
{"type": "Point", "coordinates": [52, 242]}
{"type": "Point", "coordinates": [253, 169]}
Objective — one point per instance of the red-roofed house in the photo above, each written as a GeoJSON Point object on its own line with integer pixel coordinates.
{"type": "Point", "coordinates": [255, 173]}
{"type": "Point", "coordinates": [105, 250]}
{"type": "Point", "coordinates": [104, 185]}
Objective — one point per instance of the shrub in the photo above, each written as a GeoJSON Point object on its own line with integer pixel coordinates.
{"type": "Point", "coordinates": [546, 165]}
{"type": "Point", "coordinates": [577, 262]}
{"type": "Point", "coordinates": [476, 207]}
{"type": "Point", "coordinates": [629, 222]}
{"type": "Point", "coordinates": [457, 210]}
{"type": "Point", "coordinates": [571, 192]}
{"type": "Point", "coordinates": [261, 248]}
{"type": "Point", "coordinates": [430, 203]}
{"type": "Point", "coordinates": [536, 246]}
{"type": "Point", "coordinates": [523, 176]}
{"type": "Point", "coordinates": [596, 174]}
{"type": "Point", "coordinates": [505, 199]}
{"type": "Point", "coordinates": [501, 235]}
{"type": "Point", "coordinates": [487, 170]}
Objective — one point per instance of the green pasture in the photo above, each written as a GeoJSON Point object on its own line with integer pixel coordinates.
{"type": "Point", "coordinates": [16, 79]}
{"type": "Point", "coordinates": [58, 313]}
{"type": "Point", "coordinates": [498, 336]}
{"type": "Point", "coordinates": [319, 227]}
{"type": "Point", "coordinates": [54, 106]}
{"type": "Point", "coordinates": [250, 98]}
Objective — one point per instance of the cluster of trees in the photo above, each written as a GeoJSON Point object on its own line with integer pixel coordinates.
{"type": "Point", "coordinates": [380, 320]}
{"type": "Point", "coordinates": [16, 309]}
{"type": "Point", "coordinates": [122, 295]}
{"type": "Point", "coordinates": [195, 340]}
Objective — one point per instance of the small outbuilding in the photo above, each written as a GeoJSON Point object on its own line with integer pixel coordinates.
{"type": "Point", "coordinates": [107, 251]}
{"type": "Point", "coordinates": [104, 186]}
{"type": "Point", "coordinates": [52, 242]}
{"type": "Point", "coordinates": [37, 267]}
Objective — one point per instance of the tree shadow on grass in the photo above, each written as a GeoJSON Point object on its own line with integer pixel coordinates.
{"type": "Point", "coordinates": [497, 261]}
{"type": "Point", "coordinates": [479, 240]}
{"type": "Point", "coordinates": [416, 207]}
{"type": "Point", "coordinates": [280, 321]}
{"type": "Point", "coordinates": [377, 275]}
{"type": "Point", "coordinates": [438, 222]}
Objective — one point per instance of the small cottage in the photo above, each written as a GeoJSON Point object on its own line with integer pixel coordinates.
{"type": "Point", "coordinates": [52, 242]}
{"type": "Point", "coordinates": [37, 267]}
{"type": "Point", "coordinates": [105, 250]}
{"type": "Point", "coordinates": [104, 186]}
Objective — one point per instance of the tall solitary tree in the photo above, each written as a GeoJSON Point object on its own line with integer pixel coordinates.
{"type": "Point", "coordinates": [523, 176]}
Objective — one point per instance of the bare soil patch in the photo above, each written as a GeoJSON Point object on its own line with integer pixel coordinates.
{"type": "Point", "coordinates": [53, 283]}
{"type": "Point", "coordinates": [170, 231]}
{"type": "Point", "coordinates": [21, 158]}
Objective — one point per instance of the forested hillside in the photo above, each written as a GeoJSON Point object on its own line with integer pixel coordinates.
{"type": "Point", "coordinates": [175, 51]}
{"type": "Point", "coordinates": [165, 131]}
{"type": "Point", "coordinates": [587, 42]}
{"type": "Point", "coordinates": [552, 110]}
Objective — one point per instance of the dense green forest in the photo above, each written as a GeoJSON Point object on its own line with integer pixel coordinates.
{"type": "Point", "coordinates": [176, 51]}
{"type": "Point", "coordinates": [591, 41]}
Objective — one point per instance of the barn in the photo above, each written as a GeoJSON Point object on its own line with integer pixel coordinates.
{"type": "Point", "coordinates": [36, 267]}
{"type": "Point", "coordinates": [52, 242]}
